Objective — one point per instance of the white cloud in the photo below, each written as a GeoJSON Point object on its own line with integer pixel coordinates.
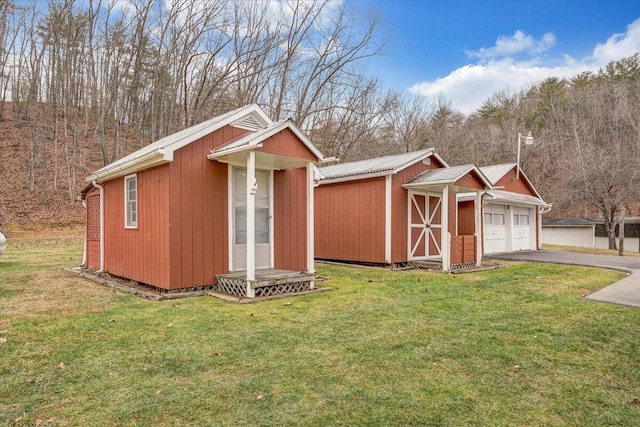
{"type": "Point", "coordinates": [468, 87]}
{"type": "Point", "coordinates": [513, 45]}
{"type": "Point", "coordinates": [497, 69]}
{"type": "Point", "coordinates": [619, 45]}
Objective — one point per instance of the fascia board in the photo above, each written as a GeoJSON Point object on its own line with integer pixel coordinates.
{"type": "Point", "coordinates": [154, 158]}
{"type": "Point", "coordinates": [234, 150]}
{"type": "Point", "coordinates": [499, 201]}
{"type": "Point", "coordinates": [354, 177]}
{"type": "Point", "coordinates": [254, 141]}
{"type": "Point", "coordinates": [423, 184]}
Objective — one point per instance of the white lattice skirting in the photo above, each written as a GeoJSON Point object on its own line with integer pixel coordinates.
{"type": "Point", "coordinates": [275, 283]}
{"type": "Point", "coordinates": [463, 265]}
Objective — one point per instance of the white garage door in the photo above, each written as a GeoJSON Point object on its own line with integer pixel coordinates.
{"type": "Point", "coordinates": [495, 229]}
{"type": "Point", "coordinates": [521, 229]}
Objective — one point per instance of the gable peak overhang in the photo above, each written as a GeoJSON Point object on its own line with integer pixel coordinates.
{"type": "Point", "coordinates": [453, 176]}
{"type": "Point", "coordinates": [250, 117]}
{"type": "Point", "coordinates": [235, 152]}
{"type": "Point", "coordinates": [496, 172]}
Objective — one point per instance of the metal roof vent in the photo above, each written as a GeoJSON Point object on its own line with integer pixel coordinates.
{"type": "Point", "coordinates": [248, 122]}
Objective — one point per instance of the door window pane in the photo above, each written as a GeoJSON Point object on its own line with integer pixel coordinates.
{"type": "Point", "coordinates": [487, 218]}
{"type": "Point", "coordinates": [498, 219]}
{"type": "Point", "coordinates": [262, 217]}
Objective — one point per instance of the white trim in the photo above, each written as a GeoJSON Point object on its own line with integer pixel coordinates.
{"type": "Point", "coordinates": [513, 165]}
{"type": "Point", "coordinates": [445, 237]}
{"type": "Point", "coordinates": [230, 217]}
{"type": "Point", "coordinates": [539, 228]}
{"type": "Point", "coordinates": [426, 233]}
{"type": "Point", "coordinates": [477, 205]}
{"type": "Point", "coordinates": [101, 188]}
{"type": "Point", "coordinates": [272, 239]}
{"type": "Point", "coordinates": [144, 161]}
{"type": "Point", "coordinates": [387, 216]}
{"type": "Point", "coordinates": [355, 177]}
{"type": "Point", "coordinates": [86, 234]}
{"type": "Point", "coordinates": [251, 222]}
{"type": "Point", "coordinates": [449, 181]}
{"type": "Point", "coordinates": [132, 225]}
{"type": "Point", "coordinates": [255, 139]}
{"type": "Point", "coordinates": [234, 150]}
{"type": "Point", "coordinates": [409, 194]}
{"type": "Point", "coordinates": [310, 218]}
{"type": "Point", "coordinates": [161, 151]}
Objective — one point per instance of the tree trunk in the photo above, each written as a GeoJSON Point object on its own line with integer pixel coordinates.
{"type": "Point", "coordinates": [621, 233]}
{"type": "Point", "coordinates": [610, 227]}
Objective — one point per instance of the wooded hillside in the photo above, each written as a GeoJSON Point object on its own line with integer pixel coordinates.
{"type": "Point", "coordinates": [84, 83]}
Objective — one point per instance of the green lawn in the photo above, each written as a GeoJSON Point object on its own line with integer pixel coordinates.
{"type": "Point", "coordinates": [514, 347]}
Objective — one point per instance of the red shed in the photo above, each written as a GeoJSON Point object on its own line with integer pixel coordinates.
{"type": "Point", "coordinates": [396, 209]}
{"type": "Point", "coordinates": [224, 202]}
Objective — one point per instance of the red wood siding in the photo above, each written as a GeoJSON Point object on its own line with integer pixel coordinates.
{"type": "Point", "coordinates": [463, 249]}
{"type": "Point", "coordinates": [139, 254]}
{"type": "Point", "coordinates": [466, 218]}
{"type": "Point", "coordinates": [93, 228]}
{"type": "Point", "coordinates": [286, 143]}
{"type": "Point", "coordinates": [198, 212]}
{"type": "Point", "coordinates": [290, 219]}
{"type": "Point", "coordinates": [399, 199]}
{"type": "Point", "coordinates": [470, 180]}
{"type": "Point", "coordinates": [350, 221]}
{"type": "Point", "coordinates": [453, 214]}
{"type": "Point", "coordinates": [510, 183]}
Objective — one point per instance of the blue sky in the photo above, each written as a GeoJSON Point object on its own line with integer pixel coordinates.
{"type": "Point", "coordinates": [468, 50]}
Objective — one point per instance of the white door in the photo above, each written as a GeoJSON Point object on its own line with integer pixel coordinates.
{"type": "Point", "coordinates": [495, 229]}
{"type": "Point", "coordinates": [521, 229]}
{"type": "Point", "coordinates": [262, 219]}
{"type": "Point", "coordinates": [425, 225]}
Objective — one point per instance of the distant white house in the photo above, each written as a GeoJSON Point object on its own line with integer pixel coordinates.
{"type": "Point", "coordinates": [568, 232]}
{"type": "Point", "coordinates": [588, 233]}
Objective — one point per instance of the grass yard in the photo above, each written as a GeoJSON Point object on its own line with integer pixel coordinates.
{"type": "Point", "coordinates": [597, 251]}
{"type": "Point", "coordinates": [512, 347]}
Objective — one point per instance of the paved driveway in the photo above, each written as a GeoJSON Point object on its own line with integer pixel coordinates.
{"type": "Point", "coordinates": [624, 292]}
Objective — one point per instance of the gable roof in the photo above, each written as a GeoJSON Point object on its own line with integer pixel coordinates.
{"type": "Point", "coordinates": [253, 140]}
{"type": "Point", "coordinates": [508, 196]}
{"type": "Point", "coordinates": [379, 166]}
{"type": "Point", "coordinates": [567, 222]}
{"type": "Point", "coordinates": [445, 176]}
{"type": "Point", "coordinates": [496, 172]}
{"type": "Point", "coordinates": [250, 117]}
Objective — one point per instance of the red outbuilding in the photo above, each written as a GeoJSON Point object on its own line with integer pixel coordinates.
{"type": "Point", "coordinates": [397, 209]}
{"type": "Point", "coordinates": [414, 207]}
{"type": "Point", "coordinates": [227, 202]}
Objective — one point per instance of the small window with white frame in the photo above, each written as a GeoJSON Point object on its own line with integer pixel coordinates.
{"type": "Point", "coordinates": [131, 201]}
